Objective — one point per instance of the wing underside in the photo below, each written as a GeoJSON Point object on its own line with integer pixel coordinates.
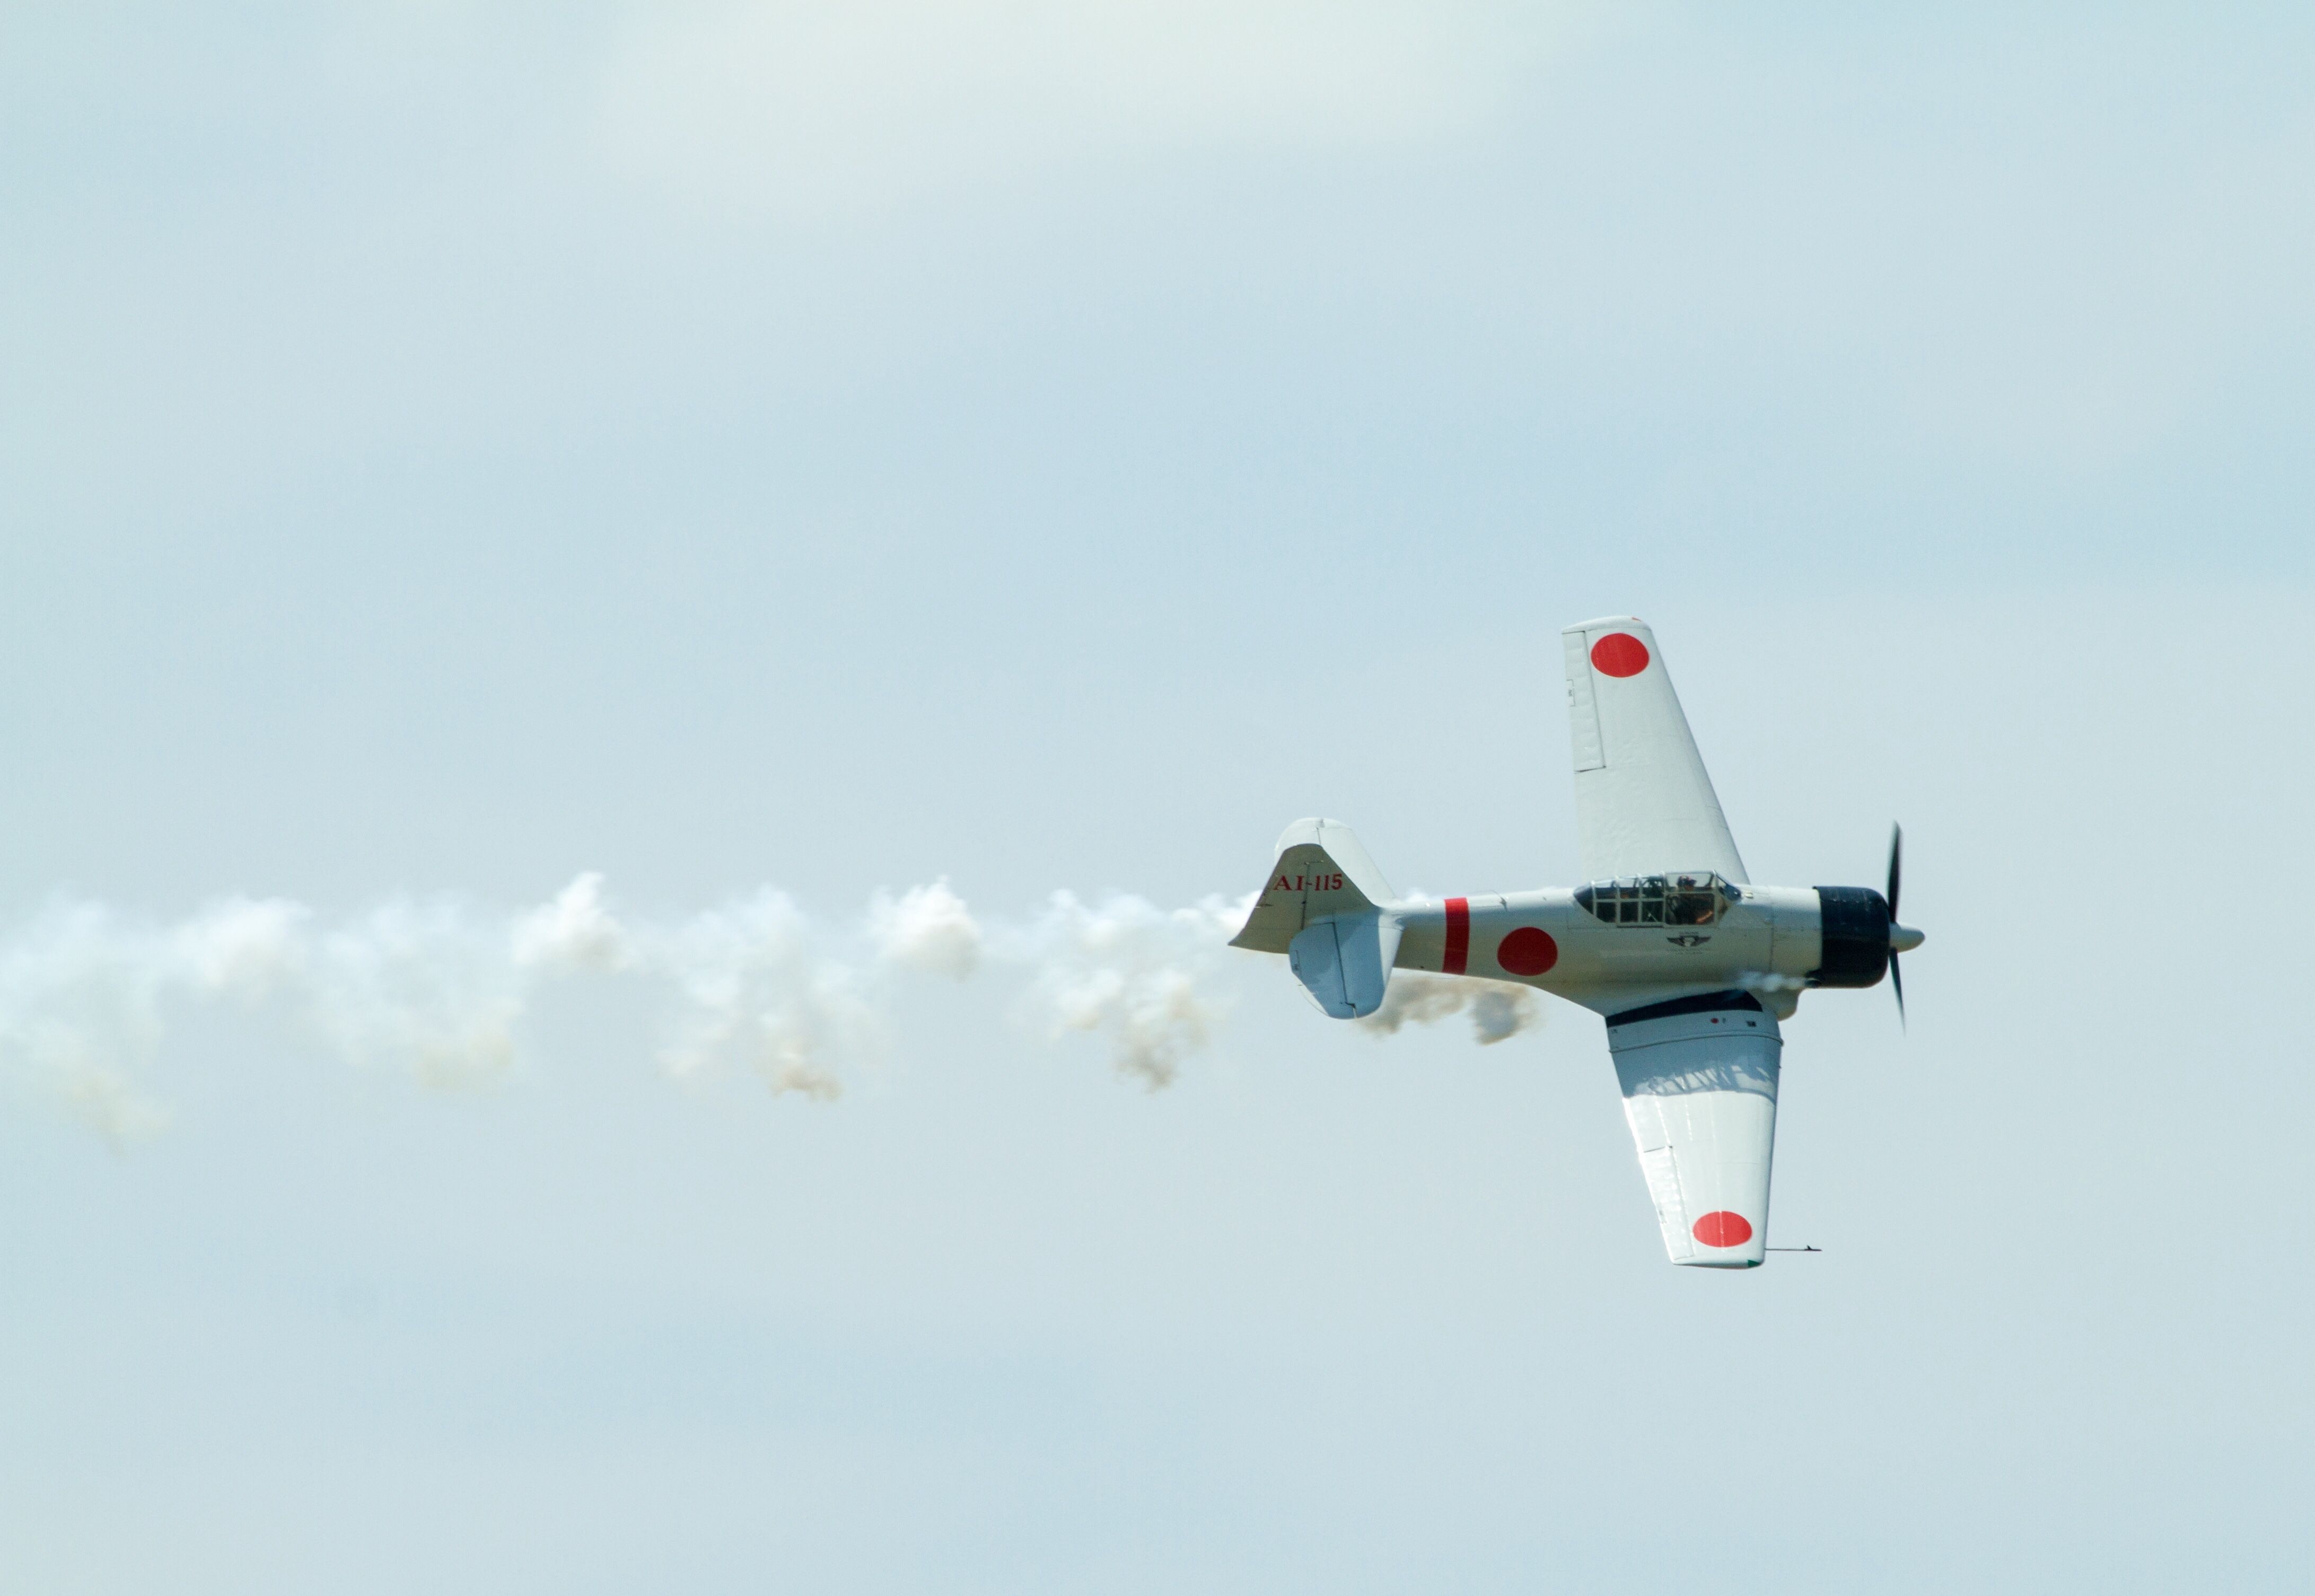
{"type": "Point", "coordinates": [1644, 804]}
{"type": "Point", "coordinates": [1699, 1086]}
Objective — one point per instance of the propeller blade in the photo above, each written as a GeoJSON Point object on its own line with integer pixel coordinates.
{"type": "Point", "coordinates": [1896, 859]}
{"type": "Point", "coordinates": [1897, 979]}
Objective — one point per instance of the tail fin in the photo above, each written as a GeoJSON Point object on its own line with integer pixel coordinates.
{"type": "Point", "coordinates": [1327, 908]}
{"type": "Point", "coordinates": [1321, 871]}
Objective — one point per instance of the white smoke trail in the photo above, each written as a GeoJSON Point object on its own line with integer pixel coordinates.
{"type": "Point", "coordinates": [758, 993]}
{"type": "Point", "coordinates": [441, 991]}
{"type": "Point", "coordinates": [930, 929]}
{"type": "Point", "coordinates": [1143, 974]}
{"type": "Point", "coordinates": [573, 929]}
{"type": "Point", "coordinates": [421, 987]}
{"type": "Point", "coordinates": [1498, 1010]}
{"type": "Point", "coordinates": [80, 997]}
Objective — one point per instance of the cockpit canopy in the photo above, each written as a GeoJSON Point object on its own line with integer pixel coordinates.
{"type": "Point", "coordinates": [1682, 898]}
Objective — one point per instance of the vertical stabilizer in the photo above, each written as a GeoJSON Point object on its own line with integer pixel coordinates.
{"type": "Point", "coordinates": [1328, 910]}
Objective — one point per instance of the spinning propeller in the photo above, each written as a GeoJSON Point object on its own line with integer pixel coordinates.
{"type": "Point", "coordinates": [1901, 937]}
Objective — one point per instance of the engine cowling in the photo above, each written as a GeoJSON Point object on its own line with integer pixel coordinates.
{"type": "Point", "coordinates": [1855, 924]}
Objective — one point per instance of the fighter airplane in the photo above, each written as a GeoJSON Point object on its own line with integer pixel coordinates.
{"type": "Point", "coordinates": [1692, 966]}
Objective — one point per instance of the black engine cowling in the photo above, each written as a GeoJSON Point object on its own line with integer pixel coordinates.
{"type": "Point", "coordinates": [1855, 921]}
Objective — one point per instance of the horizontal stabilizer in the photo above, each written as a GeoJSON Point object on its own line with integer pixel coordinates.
{"type": "Point", "coordinates": [1346, 962]}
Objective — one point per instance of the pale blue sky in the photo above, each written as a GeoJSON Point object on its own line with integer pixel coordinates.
{"type": "Point", "coordinates": [446, 448]}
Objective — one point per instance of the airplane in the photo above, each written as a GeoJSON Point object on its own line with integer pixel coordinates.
{"type": "Point", "coordinates": [1691, 965]}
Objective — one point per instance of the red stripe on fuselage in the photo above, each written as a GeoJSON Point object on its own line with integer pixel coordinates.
{"type": "Point", "coordinates": [1459, 936]}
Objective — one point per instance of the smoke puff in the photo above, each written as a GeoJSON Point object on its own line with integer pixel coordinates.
{"type": "Point", "coordinates": [421, 987]}
{"type": "Point", "coordinates": [1498, 1010]}
{"type": "Point", "coordinates": [928, 929]}
{"type": "Point", "coordinates": [1769, 980]}
{"type": "Point", "coordinates": [574, 929]}
{"type": "Point", "coordinates": [79, 1005]}
{"type": "Point", "coordinates": [1499, 1013]}
{"type": "Point", "coordinates": [757, 995]}
{"type": "Point", "coordinates": [242, 946]}
{"type": "Point", "coordinates": [1143, 974]}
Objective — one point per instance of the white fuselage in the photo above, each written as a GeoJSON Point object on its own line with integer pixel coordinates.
{"type": "Point", "coordinates": [1768, 942]}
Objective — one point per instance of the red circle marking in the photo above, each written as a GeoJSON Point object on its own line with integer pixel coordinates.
{"type": "Point", "coordinates": [1723, 1230]}
{"type": "Point", "coordinates": [1619, 653]}
{"type": "Point", "coordinates": [1527, 951]}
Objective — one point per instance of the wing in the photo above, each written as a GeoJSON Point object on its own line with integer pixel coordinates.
{"type": "Point", "coordinates": [1643, 805]}
{"type": "Point", "coordinates": [1699, 1079]}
